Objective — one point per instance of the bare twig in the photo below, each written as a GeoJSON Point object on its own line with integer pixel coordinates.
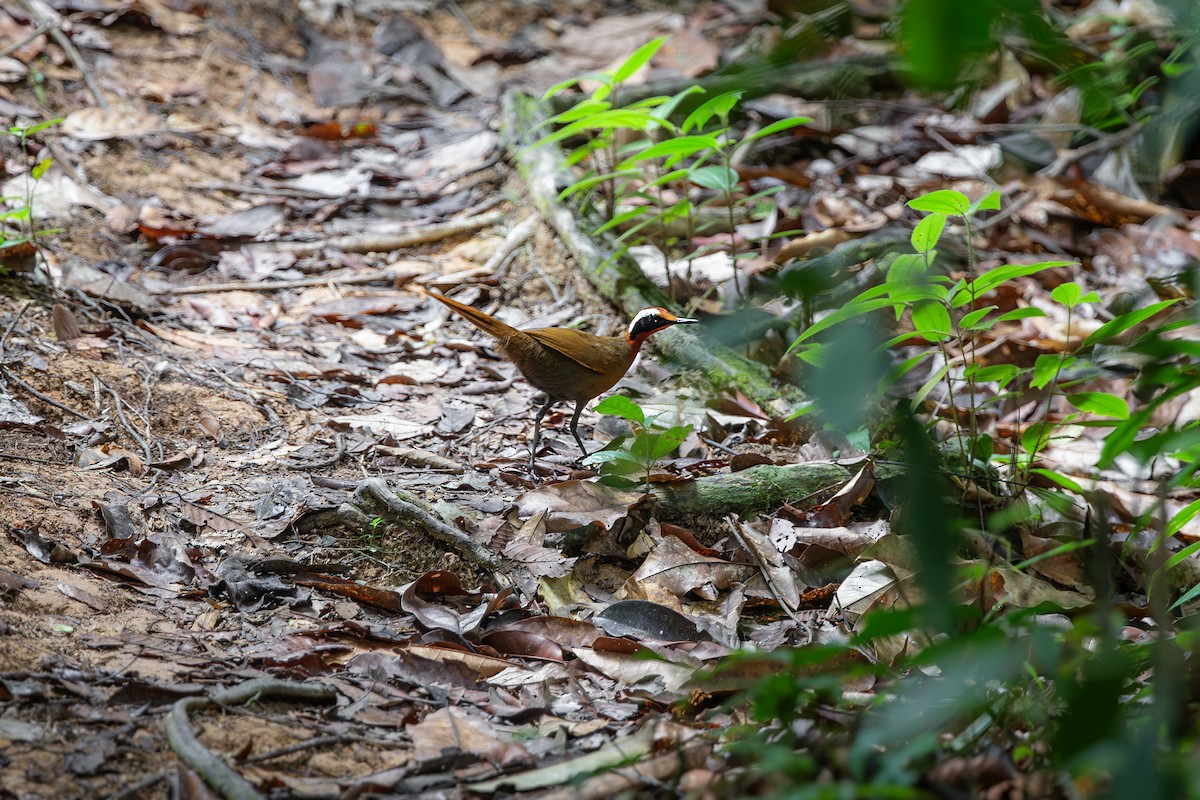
{"type": "Point", "coordinates": [8, 331]}
{"type": "Point", "coordinates": [307, 744]}
{"type": "Point", "coordinates": [387, 242]}
{"type": "Point", "coordinates": [368, 197]}
{"type": "Point", "coordinates": [339, 451]}
{"type": "Point", "coordinates": [8, 374]}
{"type": "Point", "coordinates": [1069, 157]}
{"type": "Point", "coordinates": [521, 233]}
{"type": "Point", "coordinates": [47, 15]}
{"type": "Point", "coordinates": [129, 428]}
{"type": "Point", "coordinates": [386, 275]}
{"type": "Point", "coordinates": [134, 788]}
{"type": "Point", "coordinates": [26, 39]}
{"type": "Point", "coordinates": [764, 571]}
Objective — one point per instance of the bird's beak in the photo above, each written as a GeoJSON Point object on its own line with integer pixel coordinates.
{"type": "Point", "coordinates": [684, 320]}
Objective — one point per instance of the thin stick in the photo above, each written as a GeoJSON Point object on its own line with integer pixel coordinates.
{"type": "Point", "coordinates": [387, 242]}
{"type": "Point", "coordinates": [129, 428]}
{"type": "Point", "coordinates": [36, 11]}
{"type": "Point", "coordinates": [762, 570]}
{"type": "Point", "coordinates": [26, 39]}
{"type": "Point", "coordinates": [8, 374]}
{"type": "Point", "coordinates": [521, 233]}
{"type": "Point", "coordinates": [8, 331]}
{"type": "Point", "coordinates": [388, 275]}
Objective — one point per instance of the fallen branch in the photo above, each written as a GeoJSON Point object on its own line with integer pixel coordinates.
{"type": "Point", "coordinates": [374, 498]}
{"type": "Point", "coordinates": [758, 489]}
{"type": "Point", "coordinates": [393, 275]}
{"type": "Point", "coordinates": [388, 242]}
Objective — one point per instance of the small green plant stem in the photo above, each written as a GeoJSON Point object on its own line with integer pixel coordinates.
{"type": "Point", "coordinates": [727, 160]}
{"type": "Point", "coordinates": [1044, 438]}
{"type": "Point", "coordinates": [657, 171]}
{"type": "Point", "coordinates": [972, 337]}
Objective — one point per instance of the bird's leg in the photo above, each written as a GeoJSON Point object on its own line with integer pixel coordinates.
{"type": "Point", "coordinates": [537, 428]}
{"type": "Point", "coordinates": [575, 423]}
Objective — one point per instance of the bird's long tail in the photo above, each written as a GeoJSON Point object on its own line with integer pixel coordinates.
{"type": "Point", "coordinates": [484, 322]}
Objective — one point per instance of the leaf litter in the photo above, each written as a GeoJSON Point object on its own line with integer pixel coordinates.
{"type": "Point", "coordinates": [174, 472]}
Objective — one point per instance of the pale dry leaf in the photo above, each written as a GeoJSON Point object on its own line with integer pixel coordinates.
{"type": "Point", "coordinates": [452, 730]}
{"type": "Point", "coordinates": [677, 569]}
{"type": "Point", "coordinates": [98, 124]}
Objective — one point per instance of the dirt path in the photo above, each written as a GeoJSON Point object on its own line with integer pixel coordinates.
{"type": "Point", "coordinates": [184, 436]}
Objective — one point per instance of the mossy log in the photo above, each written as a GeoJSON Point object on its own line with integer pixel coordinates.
{"type": "Point", "coordinates": [758, 489]}
{"type": "Point", "coordinates": [619, 280]}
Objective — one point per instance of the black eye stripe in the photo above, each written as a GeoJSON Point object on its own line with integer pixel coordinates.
{"type": "Point", "coordinates": [649, 323]}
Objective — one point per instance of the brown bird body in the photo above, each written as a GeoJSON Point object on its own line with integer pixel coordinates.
{"type": "Point", "coordinates": [568, 364]}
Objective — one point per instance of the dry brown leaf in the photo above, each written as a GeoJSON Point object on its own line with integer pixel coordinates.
{"type": "Point", "coordinates": [452, 730]}
{"type": "Point", "coordinates": [98, 124]}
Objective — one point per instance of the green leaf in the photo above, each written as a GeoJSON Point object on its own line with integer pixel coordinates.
{"type": "Point", "coordinates": [718, 106]}
{"type": "Point", "coordinates": [1188, 597]}
{"type": "Point", "coordinates": [642, 446]}
{"type": "Point", "coordinates": [932, 320]}
{"type": "Point", "coordinates": [943, 201]}
{"type": "Point", "coordinates": [994, 277]}
{"type": "Point", "coordinates": [1046, 369]}
{"type": "Point", "coordinates": [925, 236]}
{"type": "Point", "coordinates": [1020, 313]}
{"type": "Point", "coordinates": [680, 145]}
{"type": "Point", "coordinates": [558, 87]}
{"type": "Point", "coordinates": [1100, 403]}
{"type": "Point", "coordinates": [971, 319]}
{"type": "Point", "coordinates": [989, 202]}
{"type": "Point", "coordinates": [638, 59]}
{"type": "Point", "coordinates": [668, 177]}
{"type": "Point", "coordinates": [855, 308]}
{"type": "Point", "coordinates": [1000, 373]}
{"type": "Point", "coordinates": [669, 440]}
{"type": "Point", "coordinates": [906, 268]}
{"type": "Point", "coordinates": [584, 184]}
{"type": "Point", "coordinates": [604, 120]}
{"type": "Point", "coordinates": [584, 108]}
{"type": "Point", "coordinates": [39, 169]}
{"type": "Point", "coordinates": [25, 131]}
{"type": "Point", "coordinates": [1059, 478]}
{"type": "Point", "coordinates": [775, 127]}
{"type": "Point", "coordinates": [605, 456]}
{"type": "Point", "coordinates": [667, 108]}
{"type": "Point", "coordinates": [622, 218]}
{"type": "Point", "coordinates": [618, 482]}
{"type": "Point", "coordinates": [930, 384]}
{"type": "Point", "coordinates": [1062, 549]}
{"type": "Point", "coordinates": [618, 405]}
{"type": "Point", "coordinates": [983, 448]}
{"type": "Point", "coordinates": [1115, 327]}
{"type": "Point", "coordinates": [903, 368]}
{"type": "Point", "coordinates": [1182, 517]}
{"type": "Point", "coordinates": [1036, 437]}
{"type": "Point", "coordinates": [1122, 437]}
{"type": "Point", "coordinates": [717, 178]}
{"type": "Point", "coordinates": [1067, 294]}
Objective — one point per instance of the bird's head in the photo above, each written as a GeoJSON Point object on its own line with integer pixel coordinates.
{"type": "Point", "coordinates": [649, 321]}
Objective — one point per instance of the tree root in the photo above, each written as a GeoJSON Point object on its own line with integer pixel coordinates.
{"type": "Point", "coordinates": [374, 498]}
{"type": "Point", "coordinates": [219, 776]}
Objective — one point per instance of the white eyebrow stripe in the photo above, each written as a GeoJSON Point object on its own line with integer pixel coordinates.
{"type": "Point", "coordinates": [645, 312]}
